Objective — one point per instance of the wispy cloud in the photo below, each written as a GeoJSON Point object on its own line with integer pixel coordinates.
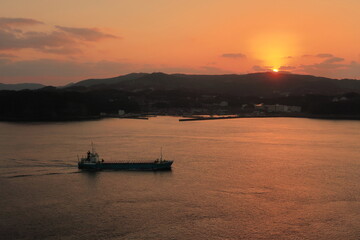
{"type": "Point", "coordinates": [17, 22]}
{"type": "Point", "coordinates": [258, 68]}
{"type": "Point", "coordinates": [61, 40]}
{"type": "Point", "coordinates": [333, 60]}
{"type": "Point", "coordinates": [287, 68]}
{"type": "Point", "coordinates": [329, 66]}
{"type": "Point", "coordinates": [87, 34]}
{"type": "Point", "coordinates": [36, 40]}
{"type": "Point", "coordinates": [319, 55]}
{"type": "Point", "coordinates": [6, 55]}
{"type": "Point", "coordinates": [233, 55]}
{"type": "Point", "coordinates": [324, 55]}
{"type": "Point", "coordinates": [64, 50]}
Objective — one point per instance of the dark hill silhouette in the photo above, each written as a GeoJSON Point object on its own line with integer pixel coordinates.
{"type": "Point", "coordinates": [161, 93]}
{"type": "Point", "coordinates": [254, 84]}
{"type": "Point", "coordinates": [108, 81]}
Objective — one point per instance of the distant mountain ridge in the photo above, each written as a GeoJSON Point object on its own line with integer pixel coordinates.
{"type": "Point", "coordinates": [108, 81]}
{"type": "Point", "coordinates": [181, 94]}
{"type": "Point", "coordinates": [21, 86]}
{"type": "Point", "coordinates": [256, 84]}
{"type": "Point", "coordinates": [253, 84]}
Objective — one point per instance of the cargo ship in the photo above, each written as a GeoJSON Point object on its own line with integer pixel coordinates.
{"type": "Point", "coordinates": [92, 162]}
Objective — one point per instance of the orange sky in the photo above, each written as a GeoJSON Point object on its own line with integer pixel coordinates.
{"type": "Point", "coordinates": [59, 42]}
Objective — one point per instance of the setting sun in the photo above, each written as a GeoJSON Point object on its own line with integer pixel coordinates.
{"type": "Point", "coordinates": [275, 70]}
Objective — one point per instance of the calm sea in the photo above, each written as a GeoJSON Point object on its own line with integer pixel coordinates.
{"type": "Point", "coordinates": [273, 178]}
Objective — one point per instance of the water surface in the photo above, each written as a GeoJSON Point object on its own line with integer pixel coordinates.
{"type": "Point", "coordinates": [273, 178]}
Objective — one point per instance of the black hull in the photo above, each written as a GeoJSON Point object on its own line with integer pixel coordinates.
{"type": "Point", "coordinates": [166, 165]}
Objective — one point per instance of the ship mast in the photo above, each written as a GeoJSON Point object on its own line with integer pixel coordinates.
{"type": "Point", "coordinates": [161, 155]}
{"type": "Point", "coordinates": [92, 147]}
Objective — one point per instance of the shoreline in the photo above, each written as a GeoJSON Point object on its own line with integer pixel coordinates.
{"type": "Point", "coordinates": [184, 118]}
{"type": "Point", "coordinates": [311, 116]}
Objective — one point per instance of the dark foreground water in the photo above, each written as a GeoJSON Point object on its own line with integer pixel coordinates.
{"type": "Point", "coordinates": [275, 178]}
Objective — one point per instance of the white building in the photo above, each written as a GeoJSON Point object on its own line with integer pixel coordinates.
{"type": "Point", "coordinates": [223, 104]}
{"type": "Point", "coordinates": [282, 108]}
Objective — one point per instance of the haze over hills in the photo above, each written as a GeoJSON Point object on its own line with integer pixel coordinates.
{"type": "Point", "coordinates": [181, 94]}
{"type": "Point", "coordinates": [255, 84]}
{"type": "Point", "coordinates": [21, 86]}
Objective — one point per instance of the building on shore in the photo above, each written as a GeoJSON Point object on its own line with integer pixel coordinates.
{"type": "Point", "coordinates": [277, 108]}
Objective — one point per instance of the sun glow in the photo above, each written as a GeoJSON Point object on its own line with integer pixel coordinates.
{"type": "Point", "coordinates": [273, 48]}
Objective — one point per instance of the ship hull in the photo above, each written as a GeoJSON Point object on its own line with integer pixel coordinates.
{"type": "Point", "coordinates": [166, 165]}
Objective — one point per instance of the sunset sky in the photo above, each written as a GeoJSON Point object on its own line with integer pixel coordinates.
{"type": "Point", "coordinates": [58, 42]}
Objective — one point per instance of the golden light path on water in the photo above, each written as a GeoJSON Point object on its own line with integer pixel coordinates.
{"type": "Point", "coordinates": [274, 178]}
